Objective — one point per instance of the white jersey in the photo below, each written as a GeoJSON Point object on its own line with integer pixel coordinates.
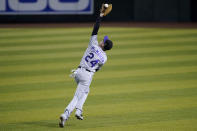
{"type": "Point", "coordinates": [94, 57]}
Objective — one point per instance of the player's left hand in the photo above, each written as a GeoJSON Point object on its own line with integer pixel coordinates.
{"type": "Point", "coordinates": [105, 9]}
{"type": "Point", "coordinates": [73, 73]}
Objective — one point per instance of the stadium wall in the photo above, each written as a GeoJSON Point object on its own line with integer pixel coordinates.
{"type": "Point", "coordinates": [129, 10]}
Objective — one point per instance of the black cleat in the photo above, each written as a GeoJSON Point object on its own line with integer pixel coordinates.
{"type": "Point", "coordinates": [62, 121]}
{"type": "Point", "coordinates": [79, 117]}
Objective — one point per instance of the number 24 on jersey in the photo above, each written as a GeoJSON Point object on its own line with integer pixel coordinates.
{"type": "Point", "coordinates": [89, 58]}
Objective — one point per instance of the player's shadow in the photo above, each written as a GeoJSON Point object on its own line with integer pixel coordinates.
{"type": "Point", "coordinates": [50, 124]}
{"type": "Point", "coordinates": [42, 123]}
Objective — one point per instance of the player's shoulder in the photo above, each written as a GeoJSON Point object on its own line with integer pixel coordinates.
{"type": "Point", "coordinates": [93, 40]}
{"type": "Point", "coordinates": [94, 37]}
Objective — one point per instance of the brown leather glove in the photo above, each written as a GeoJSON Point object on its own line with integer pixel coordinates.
{"type": "Point", "coordinates": [105, 9]}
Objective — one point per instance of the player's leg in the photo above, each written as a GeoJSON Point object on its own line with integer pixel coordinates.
{"type": "Point", "coordinates": [79, 106]}
{"type": "Point", "coordinates": [84, 83]}
{"type": "Point", "coordinates": [71, 106]}
{"type": "Point", "coordinates": [68, 110]}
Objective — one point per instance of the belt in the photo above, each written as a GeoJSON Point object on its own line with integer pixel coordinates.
{"type": "Point", "coordinates": [84, 68]}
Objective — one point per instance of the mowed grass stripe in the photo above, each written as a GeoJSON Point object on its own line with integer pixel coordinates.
{"type": "Point", "coordinates": [17, 33]}
{"type": "Point", "coordinates": [101, 89]}
{"type": "Point", "coordinates": [30, 95]}
{"type": "Point", "coordinates": [39, 32]}
{"type": "Point", "coordinates": [41, 51]}
{"type": "Point", "coordinates": [108, 122]}
{"type": "Point", "coordinates": [25, 36]}
{"type": "Point", "coordinates": [184, 65]}
{"type": "Point", "coordinates": [71, 33]}
{"type": "Point", "coordinates": [127, 77]}
{"type": "Point", "coordinates": [146, 35]}
{"type": "Point", "coordinates": [165, 45]}
{"type": "Point", "coordinates": [136, 119]}
{"type": "Point", "coordinates": [34, 79]}
{"type": "Point", "coordinates": [156, 35]}
{"type": "Point", "coordinates": [117, 111]}
{"type": "Point", "coordinates": [158, 104]}
{"type": "Point", "coordinates": [45, 95]}
{"type": "Point", "coordinates": [124, 44]}
{"type": "Point", "coordinates": [160, 66]}
{"type": "Point", "coordinates": [126, 55]}
{"type": "Point", "coordinates": [45, 47]}
{"type": "Point", "coordinates": [35, 67]}
{"type": "Point", "coordinates": [148, 78]}
{"type": "Point", "coordinates": [152, 60]}
{"type": "Point", "coordinates": [68, 87]}
{"type": "Point", "coordinates": [156, 42]}
{"type": "Point", "coordinates": [73, 47]}
{"type": "Point", "coordinates": [118, 62]}
{"type": "Point", "coordinates": [105, 89]}
{"type": "Point", "coordinates": [71, 51]}
{"type": "Point", "coordinates": [96, 99]}
{"type": "Point", "coordinates": [64, 85]}
{"type": "Point", "coordinates": [154, 54]}
{"type": "Point", "coordinates": [62, 33]}
{"type": "Point", "coordinates": [80, 42]}
{"type": "Point", "coordinates": [176, 124]}
{"type": "Point", "coordinates": [146, 73]}
{"type": "Point", "coordinates": [165, 118]}
{"type": "Point", "coordinates": [47, 40]}
{"type": "Point", "coordinates": [111, 74]}
{"type": "Point", "coordinates": [68, 54]}
{"type": "Point", "coordinates": [129, 66]}
{"type": "Point", "coordinates": [11, 96]}
{"type": "Point", "coordinates": [162, 115]}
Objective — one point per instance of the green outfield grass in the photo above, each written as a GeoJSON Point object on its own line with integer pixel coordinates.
{"type": "Point", "coordinates": [149, 82]}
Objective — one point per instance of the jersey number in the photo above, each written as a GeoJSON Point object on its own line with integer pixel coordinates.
{"type": "Point", "coordinates": [90, 57]}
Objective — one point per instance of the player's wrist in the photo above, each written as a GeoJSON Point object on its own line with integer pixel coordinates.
{"type": "Point", "coordinates": [101, 14]}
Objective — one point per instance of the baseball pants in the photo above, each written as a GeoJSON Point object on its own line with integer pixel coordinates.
{"type": "Point", "coordinates": [83, 79]}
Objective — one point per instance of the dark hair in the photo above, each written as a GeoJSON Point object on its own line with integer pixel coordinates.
{"type": "Point", "coordinates": [108, 45]}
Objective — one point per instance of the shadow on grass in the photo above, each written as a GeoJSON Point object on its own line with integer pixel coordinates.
{"type": "Point", "coordinates": [50, 124]}
{"type": "Point", "coordinates": [46, 124]}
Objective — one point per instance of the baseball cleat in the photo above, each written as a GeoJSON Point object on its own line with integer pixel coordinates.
{"type": "Point", "coordinates": [79, 117]}
{"type": "Point", "coordinates": [62, 121]}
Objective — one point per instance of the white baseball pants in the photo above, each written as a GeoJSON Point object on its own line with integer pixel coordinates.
{"type": "Point", "coordinates": [83, 79]}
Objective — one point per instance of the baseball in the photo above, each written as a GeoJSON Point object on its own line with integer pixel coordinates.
{"type": "Point", "coordinates": [106, 5]}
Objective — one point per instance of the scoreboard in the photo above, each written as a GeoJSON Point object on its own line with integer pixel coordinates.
{"type": "Point", "coordinates": [22, 7]}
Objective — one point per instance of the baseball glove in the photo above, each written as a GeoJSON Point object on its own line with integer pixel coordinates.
{"type": "Point", "coordinates": [106, 10]}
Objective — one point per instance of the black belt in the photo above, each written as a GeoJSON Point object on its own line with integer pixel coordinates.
{"type": "Point", "coordinates": [84, 68]}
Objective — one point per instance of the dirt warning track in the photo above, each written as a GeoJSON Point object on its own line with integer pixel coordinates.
{"type": "Point", "coordinates": [106, 24]}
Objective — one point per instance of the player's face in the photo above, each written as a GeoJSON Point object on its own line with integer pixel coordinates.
{"type": "Point", "coordinates": [101, 44]}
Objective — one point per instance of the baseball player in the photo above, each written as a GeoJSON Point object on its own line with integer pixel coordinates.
{"type": "Point", "coordinates": [93, 59]}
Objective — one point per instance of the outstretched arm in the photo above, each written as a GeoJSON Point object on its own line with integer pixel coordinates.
{"type": "Point", "coordinates": [97, 25]}
{"type": "Point", "coordinates": [105, 9]}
